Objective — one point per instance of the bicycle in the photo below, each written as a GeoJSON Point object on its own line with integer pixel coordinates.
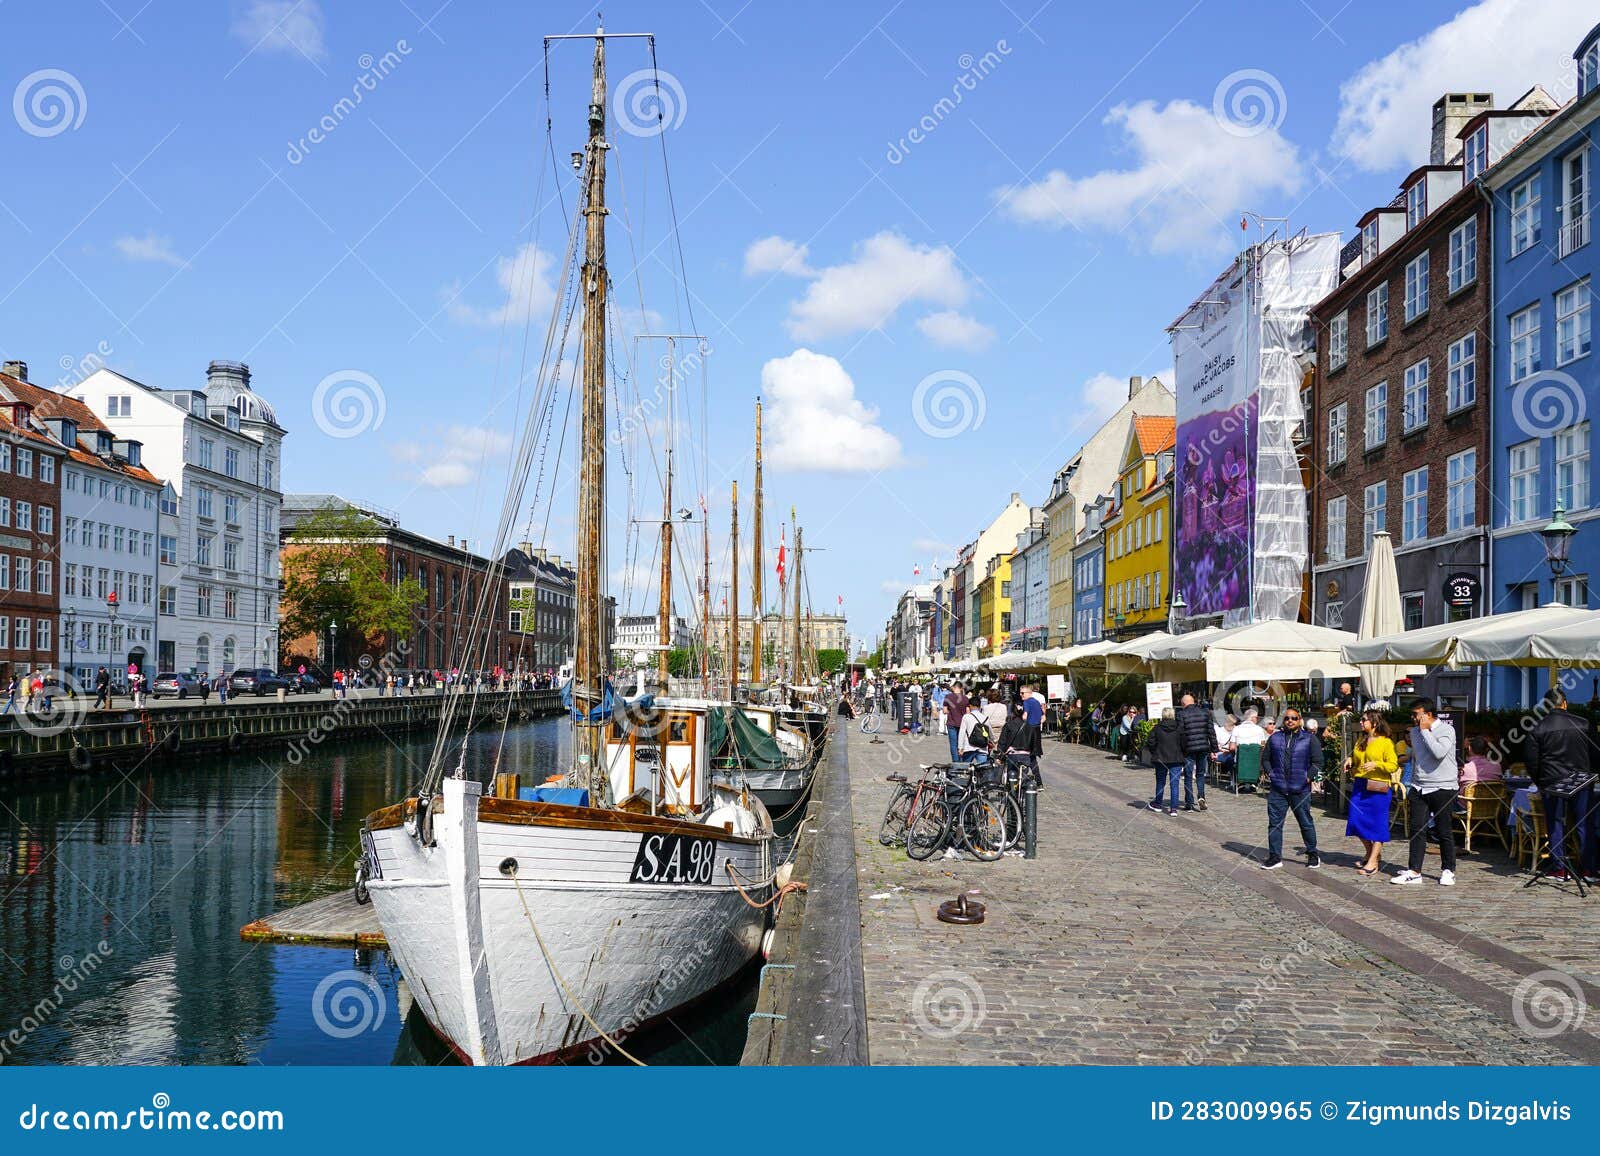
{"type": "Point", "coordinates": [892, 831]}
{"type": "Point", "coordinates": [975, 813]}
{"type": "Point", "coordinates": [871, 720]}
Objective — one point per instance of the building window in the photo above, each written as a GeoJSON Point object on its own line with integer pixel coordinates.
{"type": "Point", "coordinates": [169, 550]}
{"type": "Point", "coordinates": [1378, 314]}
{"type": "Point", "coordinates": [24, 463]}
{"type": "Point", "coordinates": [1369, 241]}
{"type": "Point", "coordinates": [1375, 511]}
{"type": "Point", "coordinates": [1377, 414]}
{"type": "Point", "coordinates": [25, 515]}
{"type": "Point", "coordinates": [1524, 343]}
{"type": "Point", "coordinates": [1461, 475]}
{"type": "Point", "coordinates": [1411, 611]}
{"type": "Point", "coordinates": [169, 601]}
{"type": "Point", "coordinates": [1337, 508]}
{"type": "Point", "coordinates": [119, 405]}
{"type": "Point", "coordinates": [24, 577]}
{"type": "Point", "coordinates": [203, 601]}
{"type": "Point", "coordinates": [20, 632]}
{"type": "Point", "coordinates": [1525, 215]}
{"type": "Point", "coordinates": [5, 571]}
{"type": "Point", "coordinates": [230, 508]}
{"type": "Point", "coordinates": [1414, 509]}
{"type": "Point", "coordinates": [230, 554]}
{"type": "Point", "coordinates": [1572, 323]}
{"type": "Point", "coordinates": [1589, 70]}
{"type": "Point", "coordinates": [230, 461]}
{"type": "Point", "coordinates": [230, 603]}
{"type": "Point", "coordinates": [202, 651]}
{"type": "Point", "coordinates": [202, 503]}
{"type": "Point", "coordinates": [202, 550]}
{"type": "Point", "coordinates": [1475, 155]}
{"type": "Point", "coordinates": [47, 520]}
{"type": "Point", "coordinates": [204, 455]}
{"type": "Point", "coordinates": [46, 583]}
{"type": "Point", "coordinates": [1463, 255]}
{"type": "Point", "coordinates": [1414, 405]}
{"type": "Point", "coordinates": [1333, 615]}
{"type": "Point", "coordinates": [229, 652]}
{"type": "Point", "coordinates": [1417, 287]}
{"type": "Point", "coordinates": [1572, 467]}
{"type": "Point", "coordinates": [1416, 203]}
{"type": "Point", "coordinates": [1572, 590]}
{"type": "Point", "coordinates": [43, 632]}
{"type": "Point", "coordinates": [169, 503]}
{"type": "Point", "coordinates": [1524, 477]}
{"type": "Point", "coordinates": [1461, 380]}
{"type": "Point", "coordinates": [47, 470]}
{"type": "Point", "coordinates": [1574, 207]}
{"type": "Point", "coordinates": [1339, 340]}
{"type": "Point", "coordinates": [69, 580]}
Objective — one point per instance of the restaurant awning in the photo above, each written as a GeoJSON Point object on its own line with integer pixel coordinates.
{"type": "Point", "coordinates": [1503, 638]}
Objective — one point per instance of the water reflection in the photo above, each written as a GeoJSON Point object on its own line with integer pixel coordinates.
{"type": "Point", "coordinates": [152, 871]}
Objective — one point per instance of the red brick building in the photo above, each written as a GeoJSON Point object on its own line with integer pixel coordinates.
{"type": "Point", "coordinates": [30, 510]}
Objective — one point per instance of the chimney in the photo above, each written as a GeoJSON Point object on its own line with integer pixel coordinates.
{"type": "Point", "coordinates": [452, 539]}
{"type": "Point", "coordinates": [16, 369]}
{"type": "Point", "coordinates": [228, 373]}
{"type": "Point", "coordinates": [526, 548]}
{"type": "Point", "coordinates": [1450, 115]}
{"type": "Point", "coordinates": [1134, 383]}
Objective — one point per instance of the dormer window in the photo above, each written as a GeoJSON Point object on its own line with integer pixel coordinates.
{"type": "Point", "coordinates": [1475, 155]}
{"type": "Point", "coordinates": [102, 443]}
{"type": "Point", "coordinates": [1416, 203]}
{"type": "Point", "coordinates": [1589, 70]}
{"type": "Point", "coordinates": [1369, 241]}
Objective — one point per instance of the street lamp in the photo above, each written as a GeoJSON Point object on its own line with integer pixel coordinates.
{"type": "Point", "coordinates": [333, 644]}
{"type": "Point", "coordinates": [111, 648]}
{"type": "Point", "coordinates": [1558, 542]}
{"type": "Point", "coordinates": [1176, 611]}
{"type": "Point", "coordinates": [72, 640]}
{"type": "Point", "coordinates": [1120, 619]}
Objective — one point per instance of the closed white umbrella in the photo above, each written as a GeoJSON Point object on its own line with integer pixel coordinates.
{"type": "Point", "coordinates": [1381, 615]}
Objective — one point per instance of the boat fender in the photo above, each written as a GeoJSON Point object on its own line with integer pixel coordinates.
{"type": "Point", "coordinates": [172, 742]}
{"type": "Point", "coordinates": [784, 874]}
{"type": "Point", "coordinates": [508, 866]}
{"type": "Point", "coordinates": [420, 826]}
{"type": "Point", "coordinates": [235, 742]}
{"type": "Point", "coordinates": [767, 937]}
{"type": "Point", "coordinates": [80, 758]}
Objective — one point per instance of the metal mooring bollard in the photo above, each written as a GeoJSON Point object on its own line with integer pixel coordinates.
{"type": "Point", "coordinates": [1030, 822]}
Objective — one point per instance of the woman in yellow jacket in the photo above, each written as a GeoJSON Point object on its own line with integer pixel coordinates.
{"type": "Point", "coordinates": [1376, 770]}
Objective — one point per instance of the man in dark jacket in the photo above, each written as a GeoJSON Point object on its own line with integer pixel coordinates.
{"type": "Point", "coordinates": [1294, 759]}
{"type": "Point", "coordinates": [1561, 749]}
{"type": "Point", "coordinates": [1199, 739]}
{"type": "Point", "coordinates": [1164, 747]}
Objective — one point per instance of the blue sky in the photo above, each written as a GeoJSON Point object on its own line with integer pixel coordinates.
{"type": "Point", "coordinates": [1014, 259]}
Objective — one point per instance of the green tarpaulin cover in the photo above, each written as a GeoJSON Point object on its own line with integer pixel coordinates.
{"type": "Point", "coordinates": [736, 742]}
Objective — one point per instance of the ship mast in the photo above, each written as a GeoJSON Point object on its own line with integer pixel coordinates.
{"type": "Point", "coordinates": [664, 627]}
{"type": "Point", "coordinates": [756, 606]}
{"type": "Point", "coordinates": [733, 601]}
{"type": "Point", "coordinates": [589, 669]}
{"type": "Point", "coordinates": [795, 669]}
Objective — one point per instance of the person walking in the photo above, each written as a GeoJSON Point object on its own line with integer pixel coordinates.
{"type": "Point", "coordinates": [1435, 783]}
{"type": "Point", "coordinates": [1561, 750]}
{"type": "Point", "coordinates": [223, 684]}
{"type": "Point", "coordinates": [994, 709]}
{"type": "Point", "coordinates": [102, 690]}
{"type": "Point", "coordinates": [974, 738]}
{"type": "Point", "coordinates": [1199, 739]}
{"type": "Point", "coordinates": [955, 709]}
{"type": "Point", "coordinates": [1164, 747]}
{"type": "Point", "coordinates": [205, 686]}
{"type": "Point", "coordinates": [1376, 772]}
{"type": "Point", "coordinates": [1293, 759]}
{"type": "Point", "coordinates": [11, 695]}
{"type": "Point", "coordinates": [936, 704]}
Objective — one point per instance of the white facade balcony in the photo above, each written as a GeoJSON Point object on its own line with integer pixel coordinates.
{"type": "Point", "coordinates": [1574, 234]}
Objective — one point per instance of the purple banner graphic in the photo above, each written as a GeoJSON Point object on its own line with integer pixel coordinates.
{"type": "Point", "coordinates": [1216, 495]}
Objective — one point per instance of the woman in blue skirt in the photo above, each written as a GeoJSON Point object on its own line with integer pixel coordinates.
{"type": "Point", "coordinates": [1376, 770]}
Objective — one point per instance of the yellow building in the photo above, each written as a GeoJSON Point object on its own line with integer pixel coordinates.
{"type": "Point", "coordinates": [992, 606]}
{"type": "Point", "coordinates": [1138, 532]}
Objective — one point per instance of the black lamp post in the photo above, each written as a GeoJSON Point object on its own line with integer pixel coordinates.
{"type": "Point", "coordinates": [1558, 542]}
{"type": "Point", "coordinates": [1177, 612]}
{"type": "Point", "coordinates": [333, 644]}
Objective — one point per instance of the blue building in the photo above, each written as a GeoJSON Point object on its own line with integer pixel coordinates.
{"type": "Point", "coordinates": [1546, 383]}
{"type": "Point", "coordinates": [1089, 575]}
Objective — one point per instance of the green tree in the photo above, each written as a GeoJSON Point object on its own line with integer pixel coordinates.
{"type": "Point", "coordinates": [334, 570]}
{"type": "Point", "coordinates": [829, 661]}
{"type": "Point", "coordinates": [682, 663]}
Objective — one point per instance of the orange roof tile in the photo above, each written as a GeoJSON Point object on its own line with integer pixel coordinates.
{"type": "Point", "coordinates": [48, 403]}
{"type": "Point", "coordinates": [1155, 434]}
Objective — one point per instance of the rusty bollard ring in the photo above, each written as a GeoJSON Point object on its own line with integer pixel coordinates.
{"type": "Point", "coordinates": [961, 910]}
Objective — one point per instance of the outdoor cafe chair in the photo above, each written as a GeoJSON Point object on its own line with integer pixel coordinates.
{"type": "Point", "coordinates": [1246, 766]}
{"type": "Point", "coordinates": [1483, 811]}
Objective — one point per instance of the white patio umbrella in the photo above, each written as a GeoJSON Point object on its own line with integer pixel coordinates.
{"type": "Point", "coordinates": [1134, 656]}
{"type": "Point", "coordinates": [1276, 652]}
{"type": "Point", "coordinates": [1576, 642]}
{"type": "Point", "coordinates": [1493, 638]}
{"type": "Point", "coordinates": [1380, 615]}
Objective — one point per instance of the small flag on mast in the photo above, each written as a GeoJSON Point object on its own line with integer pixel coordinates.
{"type": "Point", "coordinates": [783, 552]}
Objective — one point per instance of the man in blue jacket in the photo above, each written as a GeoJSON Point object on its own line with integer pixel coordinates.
{"type": "Point", "coordinates": [1293, 759]}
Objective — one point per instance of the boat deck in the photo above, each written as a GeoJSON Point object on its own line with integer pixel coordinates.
{"type": "Point", "coordinates": [335, 920]}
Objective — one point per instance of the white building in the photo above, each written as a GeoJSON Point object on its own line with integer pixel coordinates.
{"type": "Point", "coordinates": [106, 544]}
{"type": "Point", "coordinates": [642, 632]}
{"type": "Point", "coordinates": [219, 449]}
{"type": "Point", "coordinates": [1030, 587]}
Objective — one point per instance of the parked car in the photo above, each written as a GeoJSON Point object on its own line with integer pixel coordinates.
{"type": "Point", "coordinates": [175, 685]}
{"type": "Point", "coordinates": [306, 683]}
{"type": "Point", "coordinates": [257, 681]}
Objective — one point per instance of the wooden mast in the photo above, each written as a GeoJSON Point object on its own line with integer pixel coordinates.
{"type": "Point", "coordinates": [756, 606]}
{"type": "Point", "coordinates": [795, 672]}
{"type": "Point", "coordinates": [705, 606]}
{"type": "Point", "coordinates": [589, 668]}
{"type": "Point", "coordinates": [733, 601]}
{"type": "Point", "coordinates": [664, 624]}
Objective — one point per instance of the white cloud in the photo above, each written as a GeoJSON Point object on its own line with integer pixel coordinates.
{"type": "Point", "coordinates": [282, 26]}
{"type": "Point", "coordinates": [885, 272]}
{"type": "Point", "coordinates": [1103, 394]}
{"type": "Point", "coordinates": [814, 420]}
{"type": "Point", "coordinates": [524, 278]}
{"type": "Point", "coordinates": [456, 456]}
{"type": "Point", "coordinates": [952, 329]}
{"type": "Point", "coordinates": [1191, 177]}
{"type": "Point", "coordinates": [776, 255]}
{"type": "Point", "coordinates": [148, 248]}
{"type": "Point", "coordinates": [1499, 46]}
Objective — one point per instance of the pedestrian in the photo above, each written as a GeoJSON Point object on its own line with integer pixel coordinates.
{"type": "Point", "coordinates": [205, 686]}
{"type": "Point", "coordinates": [974, 737]}
{"type": "Point", "coordinates": [1293, 759]}
{"type": "Point", "coordinates": [1435, 783]}
{"type": "Point", "coordinates": [994, 709]}
{"type": "Point", "coordinates": [1480, 767]}
{"type": "Point", "coordinates": [1376, 773]}
{"type": "Point", "coordinates": [27, 693]}
{"type": "Point", "coordinates": [1164, 746]}
{"type": "Point", "coordinates": [1199, 738]}
{"type": "Point", "coordinates": [1128, 725]}
{"type": "Point", "coordinates": [1560, 751]}
{"type": "Point", "coordinates": [11, 695]}
{"type": "Point", "coordinates": [102, 689]}
{"type": "Point", "coordinates": [955, 709]}
{"type": "Point", "coordinates": [1346, 698]}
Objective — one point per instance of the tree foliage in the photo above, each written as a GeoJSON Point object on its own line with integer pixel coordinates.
{"type": "Point", "coordinates": [335, 571]}
{"type": "Point", "coordinates": [682, 662]}
{"type": "Point", "coordinates": [829, 660]}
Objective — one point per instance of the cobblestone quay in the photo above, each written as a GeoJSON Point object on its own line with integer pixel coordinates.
{"type": "Point", "coordinates": [1138, 938]}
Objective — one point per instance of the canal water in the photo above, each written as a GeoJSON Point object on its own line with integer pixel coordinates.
{"type": "Point", "coordinates": [122, 895]}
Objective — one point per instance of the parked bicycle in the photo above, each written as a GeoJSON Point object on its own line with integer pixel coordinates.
{"type": "Point", "coordinates": [971, 809]}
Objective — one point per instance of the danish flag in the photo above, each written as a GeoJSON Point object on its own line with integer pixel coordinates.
{"type": "Point", "coordinates": [783, 552]}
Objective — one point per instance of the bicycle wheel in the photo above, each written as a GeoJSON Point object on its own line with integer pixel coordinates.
{"type": "Point", "coordinates": [893, 828]}
{"type": "Point", "coordinates": [927, 828]}
{"type": "Point", "coordinates": [983, 825]}
{"type": "Point", "coordinates": [869, 723]}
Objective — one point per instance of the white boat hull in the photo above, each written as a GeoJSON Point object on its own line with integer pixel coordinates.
{"type": "Point", "coordinates": [629, 950]}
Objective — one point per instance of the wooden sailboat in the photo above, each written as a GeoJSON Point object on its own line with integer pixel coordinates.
{"type": "Point", "coordinates": [529, 927]}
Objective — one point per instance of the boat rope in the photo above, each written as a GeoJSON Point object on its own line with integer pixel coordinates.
{"type": "Point", "coordinates": [551, 964]}
{"type": "Point", "coordinates": [776, 896]}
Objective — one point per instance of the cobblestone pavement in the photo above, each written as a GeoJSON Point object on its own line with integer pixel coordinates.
{"type": "Point", "coordinates": [1140, 938]}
